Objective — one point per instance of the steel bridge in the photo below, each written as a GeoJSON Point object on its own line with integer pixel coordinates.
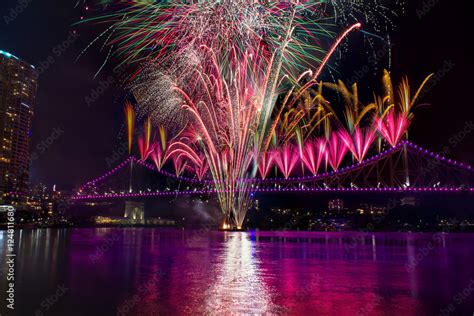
{"type": "Point", "coordinates": [403, 168]}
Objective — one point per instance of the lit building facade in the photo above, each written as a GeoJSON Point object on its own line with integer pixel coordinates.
{"type": "Point", "coordinates": [336, 205]}
{"type": "Point", "coordinates": [18, 86]}
{"type": "Point", "coordinates": [135, 211]}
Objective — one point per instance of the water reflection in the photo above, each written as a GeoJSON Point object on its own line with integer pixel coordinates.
{"type": "Point", "coordinates": [238, 287]}
{"type": "Point", "coordinates": [172, 272]}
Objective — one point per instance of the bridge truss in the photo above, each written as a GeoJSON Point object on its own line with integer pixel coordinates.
{"type": "Point", "coordinates": [403, 168]}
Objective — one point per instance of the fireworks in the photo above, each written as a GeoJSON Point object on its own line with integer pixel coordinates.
{"type": "Point", "coordinates": [130, 120]}
{"type": "Point", "coordinates": [393, 126]}
{"type": "Point", "coordinates": [265, 163]}
{"type": "Point", "coordinates": [157, 156]}
{"type": "Point", "coordinates": [234, 81]}
{"type": "Point", "coordinates": [286, 159]}
{"type": "Point", "coordinates": [159, 149]}
{"type": "Point", "coordinates": [144, 142]}
{"type": "Point", "coordinates": [312, 155]}
{"type": "Point", "coordinates": [360, 142]}
{"type": "Point", "coordinates": [405, 102]}
{"type": "Point", "coordinates": [167, 31]}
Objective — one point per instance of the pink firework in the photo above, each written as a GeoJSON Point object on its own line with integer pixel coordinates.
{"type": "Point", "coordinates": [337, 150]}
{"type": "Point", "coordinates": [312, 154]}
{"type": "Point", "coordinates": [158, 156]}
{"type": "Point", "coordinates": [159, 149]}
{"type": "Point", "coordinates": [145, 149]}
{"type": "Point", "coordinates": [180, 164]}
{"type": "Point", "coordinates": [286, 159]}
{"type": "Point", "coordinates": [179, 150]}
{"type": "Point", "coordinates": [359, 142]}
{"type": "Point", "coordinates": [393, 126]}
{"type": "Point", "coordinates": [144, 142]}
{"type": "Point", "coordinates": [201, 169]}
{"type": "Point", "coordinates": [184, 157]}
{"type": "Point", "coordinates": [265, 164]}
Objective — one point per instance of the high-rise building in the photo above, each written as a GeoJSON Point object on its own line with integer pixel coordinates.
{"type": "Point", "coordinates": [18, 85]}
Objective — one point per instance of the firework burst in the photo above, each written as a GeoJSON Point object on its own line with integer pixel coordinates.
{"type": "Point", "coordinates": [232, 81]}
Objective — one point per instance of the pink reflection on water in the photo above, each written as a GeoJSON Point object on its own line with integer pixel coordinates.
{"type": "Point", "coordinates": [320, 274]}
{"type": "Point", "coordinates": [174, 272]}
{"type": "Point", "coordinates": [238, 287]}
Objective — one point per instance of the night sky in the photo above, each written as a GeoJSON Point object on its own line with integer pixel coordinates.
{"type": "Point", "coordinates": [86, 135]}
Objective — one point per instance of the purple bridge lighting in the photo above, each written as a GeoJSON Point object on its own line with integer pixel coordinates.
{"type": "Point", "coordinates": [405, 167]}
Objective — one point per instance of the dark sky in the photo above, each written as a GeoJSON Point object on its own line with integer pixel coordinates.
{"type": "Point", "coordinates": [89, 132]}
